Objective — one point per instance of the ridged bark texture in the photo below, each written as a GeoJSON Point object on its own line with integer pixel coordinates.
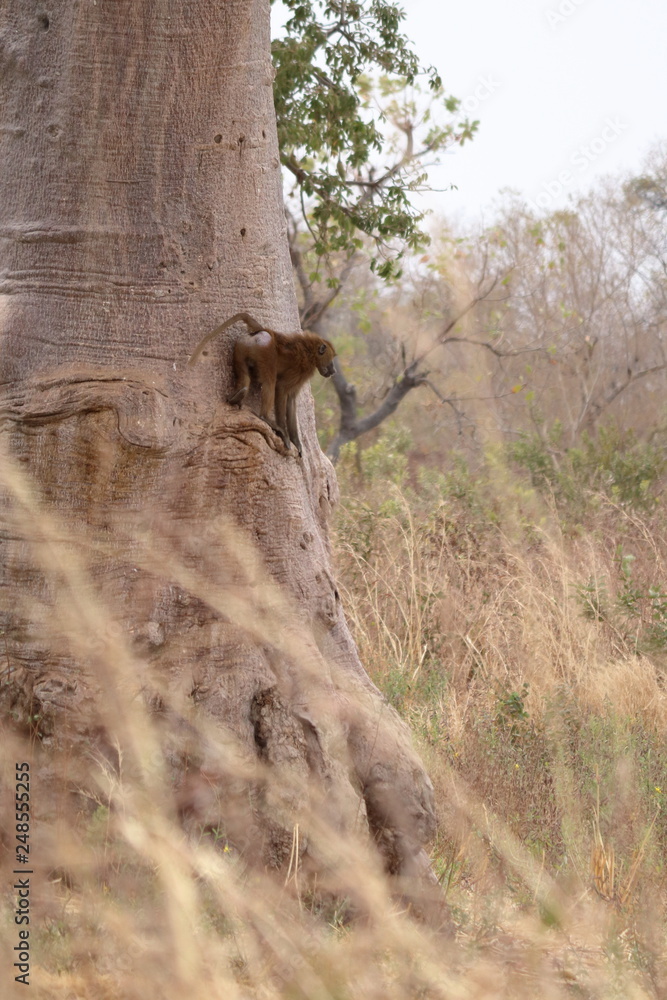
{"type": "Point", "coordinates": [140, 205]}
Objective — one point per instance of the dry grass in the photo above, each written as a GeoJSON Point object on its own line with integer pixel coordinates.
{"type": "Point", "coordinates": [531, 666]}
{"type": "Point", "coordinates": [537, 698]}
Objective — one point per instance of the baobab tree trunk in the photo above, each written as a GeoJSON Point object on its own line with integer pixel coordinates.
{"type": "Point", "coordinates": [141, 204]}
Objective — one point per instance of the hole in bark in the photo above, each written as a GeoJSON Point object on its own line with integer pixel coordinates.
{"type": "Point", "coordinates": [217, 138]}
{"type": "Point", "coordinates": [260, 738]}
{"type": "Point", "coordinates": [263, 134]}
{"type": "Point", "coordinates": [243, 231]}
{"type": "Point", "coordinates": [43, 22]}
{"type": "Point", "coordinates": [260, 724]}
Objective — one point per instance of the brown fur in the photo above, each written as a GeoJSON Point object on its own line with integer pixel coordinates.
{"type": "Point", "coordinates": [281, 363]}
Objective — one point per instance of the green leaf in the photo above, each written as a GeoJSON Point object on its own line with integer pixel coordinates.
{"type": "Point", "coordinates": [330, 128]}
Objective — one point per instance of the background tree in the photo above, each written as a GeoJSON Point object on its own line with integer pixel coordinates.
{"type": "Point", "coordinates": [357, 151]}
{"type": "Point", "coordinates": [332, 129]}
{"type": "Point", "coordinates": [141, 204]}
{"type": "Point", "coordinates": [586, 298]}
{"type": "Point", "coordinates": [534, 325]}
{"type": "Point", "coordinates": [414, 353]}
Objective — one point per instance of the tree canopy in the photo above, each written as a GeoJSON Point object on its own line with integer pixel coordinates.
{"type": "Point", "coordinates": [339, 66]}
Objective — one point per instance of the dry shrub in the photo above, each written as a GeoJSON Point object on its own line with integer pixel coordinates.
{"type": "Point", "coordinates": [530, 661]}
{"type": "Point", "coordinates": [544, 732]}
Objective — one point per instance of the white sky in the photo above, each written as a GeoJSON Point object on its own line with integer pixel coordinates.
{"type": "Point", "coordinates": [565, 91]}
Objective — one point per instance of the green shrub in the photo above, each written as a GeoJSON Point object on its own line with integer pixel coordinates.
{"type": "Point", "coordinates": [614, 463]}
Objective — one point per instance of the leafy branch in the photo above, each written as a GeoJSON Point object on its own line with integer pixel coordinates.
{"type": "Point", "coordinates": [332, 130]}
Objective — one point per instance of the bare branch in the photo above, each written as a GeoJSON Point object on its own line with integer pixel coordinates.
{"type": "Point", "coordinates": [442, 336]}
{"type": "Point", "coordinates": [593, 410]}
{"type": "Point", "coordinates": [499, 353]}
{"type": "Point", "coordinates": [351, 426]}
{"type": "Point", "coordinates": [312, 315]}
{"type": "Point", "coordinates": [296, 257]}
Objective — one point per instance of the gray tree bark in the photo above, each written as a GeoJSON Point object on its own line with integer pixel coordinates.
{"type": "Point", "coordinates": [141, 204]}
